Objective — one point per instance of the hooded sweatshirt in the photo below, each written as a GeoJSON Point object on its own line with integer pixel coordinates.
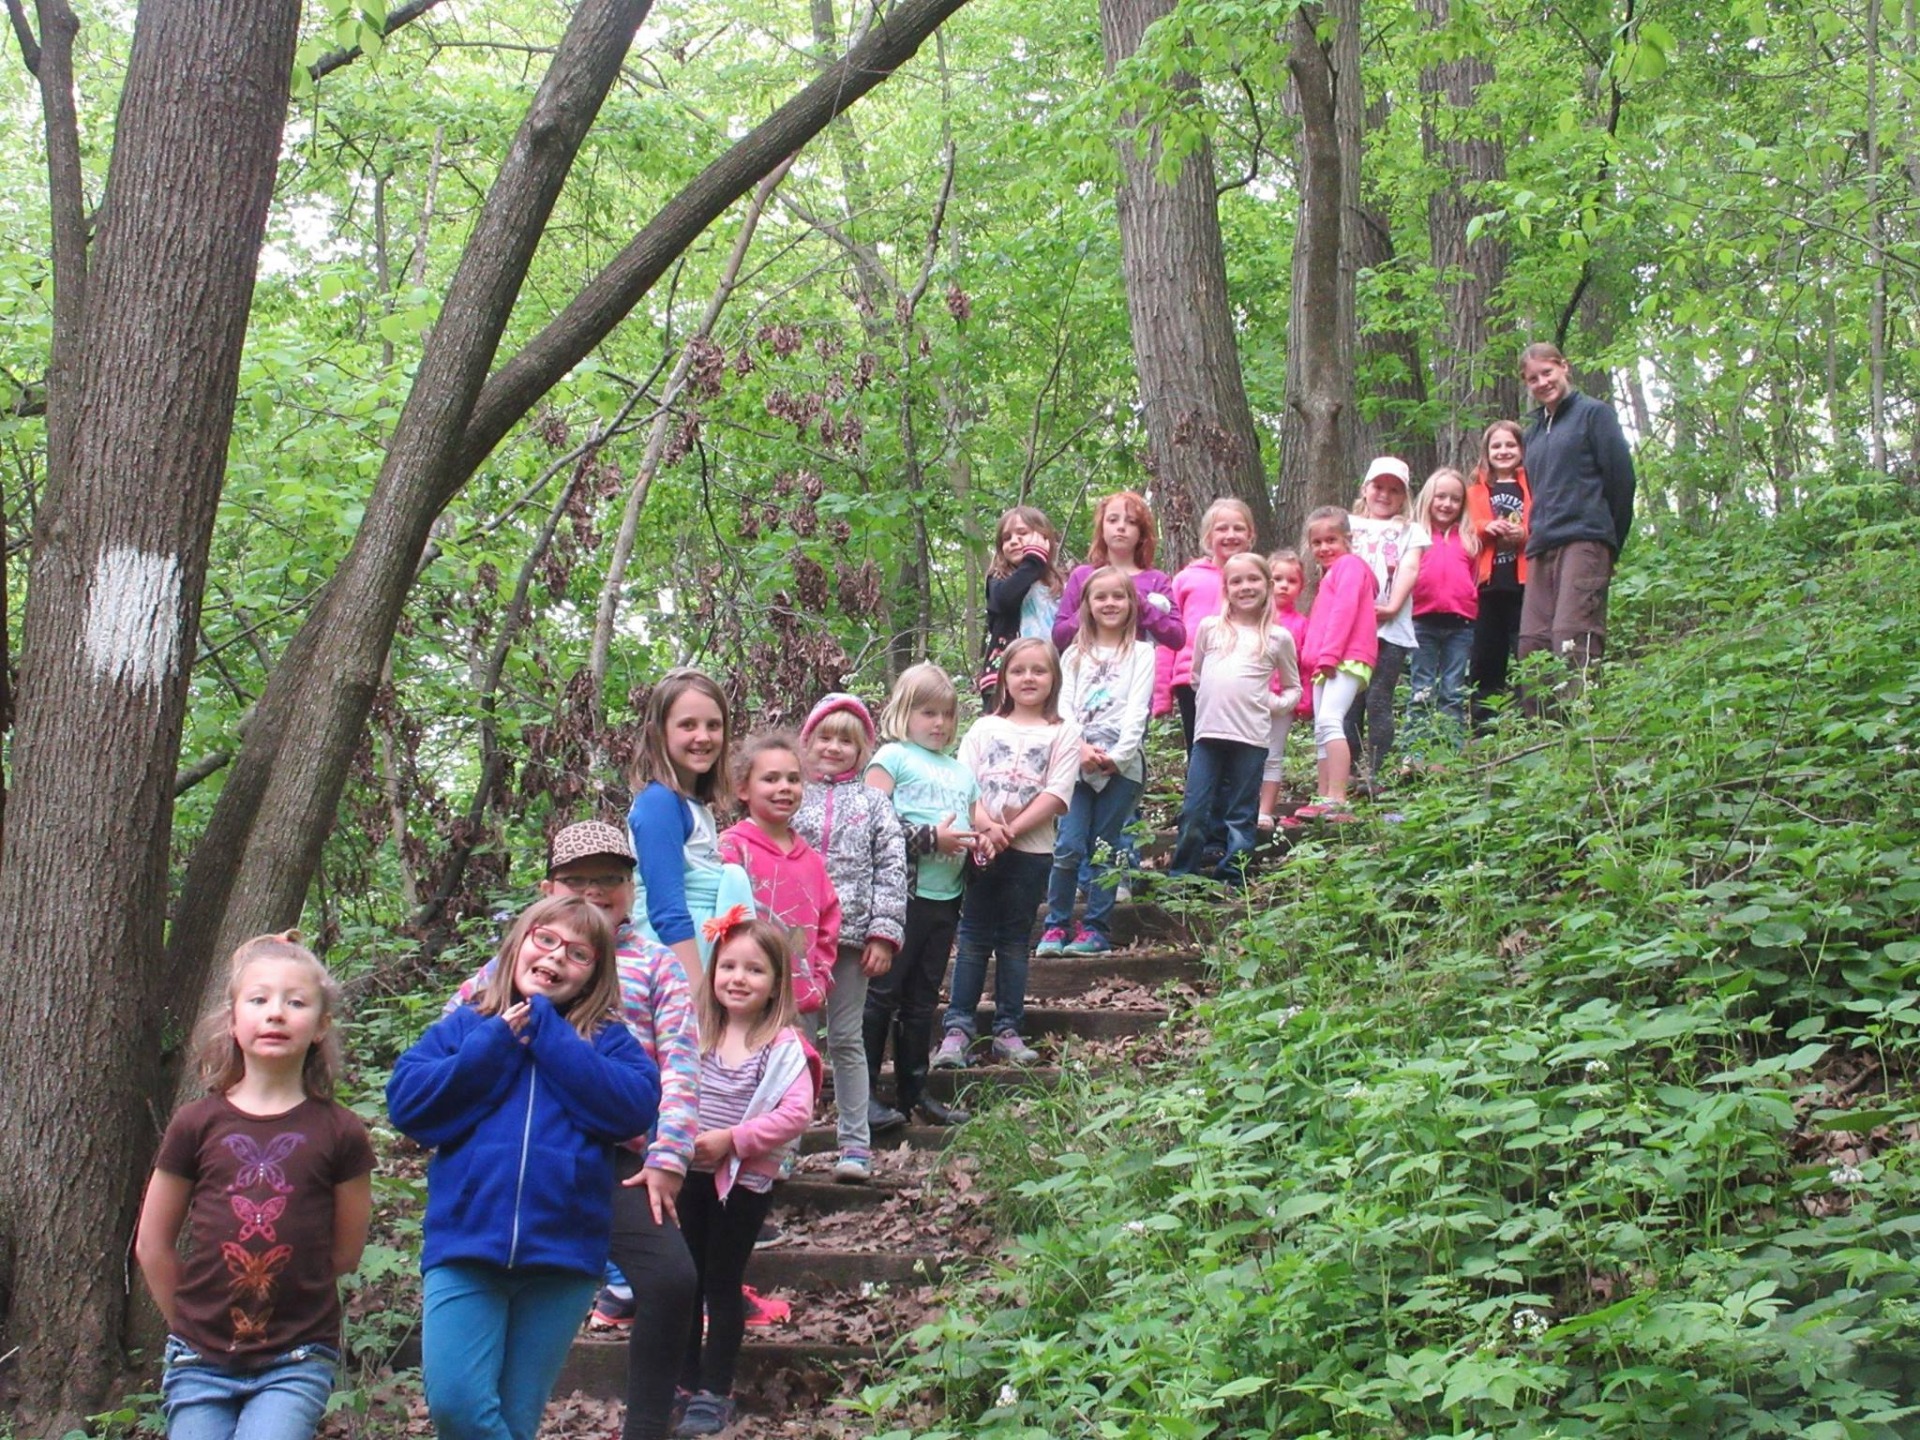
{"type": "Point", "coordinates": [791, 886]}
{"type": "Point", "coordinates": [1340, 626]}
{"type": "Point", "coordinates": [853, 828]}
{"type": "Point", "coordinates": [1196, 590]}
{"type": "Point", "coordinates": [1582, 476]}
{"type": "Point", "coordinates": [776, 1116]}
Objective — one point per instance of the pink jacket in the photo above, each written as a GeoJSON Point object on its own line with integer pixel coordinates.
{"type": "Point", "coordinates": [1295, 625]}
{"type": "Point", "coordinates": [1341, 627]}
{"type": "Point", "coordinates": [1196, 590]}
{"type": "Point", "coordinates": [791, 886]}
{"type": "Point", "coordinates": [1447, 583]}
{"type": "Point", "coordinates": [777, 1115]}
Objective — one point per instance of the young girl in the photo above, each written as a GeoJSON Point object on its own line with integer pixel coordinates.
{"type": "Point", "coordinates": [852, 826]}
{"type": "Point", "coordinates": [756, 1095]}
{"type": "Point", "coordinates": [1023, 588]}
{"type": "Point", "coordinates": [1106, 688]}
{"type": "Point", "coordinates": [1124, 539]}
{"type": "Point", "coordinates": [1289, 579]}
{"type": "Point", "coordinates": [1338, 655]}
{"type": "Point", "coordinates": [1226, 530]}
{"type": "Point", "coordinates": [1445, 602]}
{"type": "Point", "coordinates": [1026, 760]}
{"type": "Point", "coordinates": [1499, 506]}
{"type": "Point", "coordinates": [522, 1095]}
{"type": "Point", "coordinates": [274, 1180]}
{"type": "Point", "coordinates": [933, 796]}
{"type": "Point", "coordinates": [790, 884]}
{"type": "Point", "coordinates": [1235, 656]}
{"type": "Point", "coordinates": [1385, 537]}
{"type": "Point", "coordinates": [681, 760]}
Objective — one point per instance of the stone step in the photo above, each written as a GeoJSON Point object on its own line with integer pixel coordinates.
{"type": "Point", "coordinates": [794, 1266]}
{"type": "Point", "coordinates": [1053, 977]}
{"type": "Point", "coordinates": [1088, 1023]}
{"type": "Point", "coordinates": [810, 1195]}
{"type": "Point", "coordinates": [949, 1085]}
{"type": "Point", "coordinates": [1139, 922]}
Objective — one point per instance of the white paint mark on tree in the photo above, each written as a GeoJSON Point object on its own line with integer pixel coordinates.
{"type": "Point", "coordinates": [133, 617]}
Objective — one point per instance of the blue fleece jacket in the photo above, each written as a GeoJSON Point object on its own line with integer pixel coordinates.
{"type": "Point", "coordinates": [524, 1134]}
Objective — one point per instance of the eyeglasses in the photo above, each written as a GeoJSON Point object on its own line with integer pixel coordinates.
{"type": "Point", "coordinates": [549, 942]}
{"type": "Point", "coordinates": [605, 883]}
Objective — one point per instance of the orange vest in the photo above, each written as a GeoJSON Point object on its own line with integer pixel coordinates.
{"type": "Point", "coordinates": [1480, 512]}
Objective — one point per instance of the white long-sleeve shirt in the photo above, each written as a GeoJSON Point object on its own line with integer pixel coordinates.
{"type": "Point", "coordinates": [1230, 673]}
{"type": "Point", "coordinates": [1108, 693]}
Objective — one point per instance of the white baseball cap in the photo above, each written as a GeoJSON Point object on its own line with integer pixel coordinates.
{"type": "Point", "coordinates": [1389, 466]}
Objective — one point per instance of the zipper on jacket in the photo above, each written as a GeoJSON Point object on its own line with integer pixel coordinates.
{"type": "Point", "coordinates": [826, 823]}
{"type": "Point", "coordinates": [520, 1181]}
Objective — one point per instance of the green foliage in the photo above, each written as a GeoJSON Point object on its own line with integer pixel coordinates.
{"type": "Point", "coordinates": [1578, 1103]}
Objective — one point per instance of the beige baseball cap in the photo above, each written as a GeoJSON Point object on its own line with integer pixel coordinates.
{"type": "Point", "coordinates": [587, 839]}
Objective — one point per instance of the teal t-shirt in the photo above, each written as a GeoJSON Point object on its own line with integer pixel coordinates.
{"type": "Point", "coordinates": [927, 788]}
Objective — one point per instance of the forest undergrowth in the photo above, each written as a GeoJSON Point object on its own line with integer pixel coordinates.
{"type": "Point", "coordinates": [1580, 1102]}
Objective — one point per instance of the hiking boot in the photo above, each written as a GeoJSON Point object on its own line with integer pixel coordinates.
{"type": "Point", "coordinates": [935, 1113]}
{"type": "Point", "coordinates": [882, 1118]}
{"type": "Point", "coordinates": [1010, 1047]}
{"type": "Point", "coordinates": [1053, 941]}
{"type": "Point", "coordinates": [1089, 942]}
{"type": "Point", "coordinates": [952, 1054]}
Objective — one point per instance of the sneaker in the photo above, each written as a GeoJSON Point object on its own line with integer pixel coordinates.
{"type": "Point", "coordinates": [952, 1054]}
{"type": "Point", "coordinates": [763, 1310]}
{"type": "Point", "coordinates": [1053, 941]}
{"type": "Point", "coordinates": [787, 1162]}
{"type": "Point", "coordinates": [854, 1168]}
{"type": "Point", "coordinates": [1010, 1047]}
{"type": "Point", "coordinates": [882, 1118]}
{"type": "Point", "coordinates": [707, 1414]}
{"type": "Point", "coordinates": [611, 1314]}
{"type": "Point", "coordinates": [770, 1234]}
{"type": "Point", "coordinates": [1089, 942]}
{"type": "Point", "coordinates": [1265, 822]}
{"type": "Point", "coordinates": [1122, 893]}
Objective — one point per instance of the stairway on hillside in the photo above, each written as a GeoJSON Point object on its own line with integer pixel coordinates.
{"type": "Point", "coordinates": [861, 1265]}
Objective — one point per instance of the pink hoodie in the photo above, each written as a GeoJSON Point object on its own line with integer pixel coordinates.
{"type": "Point", "coordinates": [1196, 591]}
{"type": "Point", "coordinates": [1295, 624]}
{"type": "Point", "coordinates": [1341, 626]}
{"type": "Point", "coordinates": [791, 886]}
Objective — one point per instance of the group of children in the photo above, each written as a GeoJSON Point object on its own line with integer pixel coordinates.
{"type": "Point", "coordinates": [624, 1079]}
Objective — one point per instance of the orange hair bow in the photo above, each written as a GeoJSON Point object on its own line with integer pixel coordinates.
{"type": "Point", "coordinates": [724, 924]}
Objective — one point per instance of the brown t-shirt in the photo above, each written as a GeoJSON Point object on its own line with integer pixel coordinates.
{"type": "Point", "coordinates": [259, 1280]}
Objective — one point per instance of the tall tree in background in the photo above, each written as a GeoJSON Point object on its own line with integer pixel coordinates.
{"type": "Point", "coordinates": [1199, 425]}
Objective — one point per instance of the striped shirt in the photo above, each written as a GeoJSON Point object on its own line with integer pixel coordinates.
{"type": "Point", "coordinates": [725, 1092]}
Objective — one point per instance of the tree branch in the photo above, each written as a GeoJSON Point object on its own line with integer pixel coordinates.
{"type": "Point", "coordinates": [67, 200]}
{"type": "Point", "coordinates": [23, 32]}
{"type": "Point", "coordinates": [336, 59]}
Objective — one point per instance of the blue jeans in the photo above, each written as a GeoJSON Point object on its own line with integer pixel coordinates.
{"type": "Point", "coordinates": [996, 918]}
{"type": "Point", "coordinates": [285, 1399]}
{"type": "Point", "coordinates": [1222, 807]}
{"type": "Point", "coordinates": [492, 1342]}
{"type": "Point", "coordinates": [1095, 818]}
{"type": "Point", "coordinates": [1439, 672]}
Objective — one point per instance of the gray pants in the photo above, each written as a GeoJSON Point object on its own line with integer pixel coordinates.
{"type": "Point", "coordinates": [846, 1051]}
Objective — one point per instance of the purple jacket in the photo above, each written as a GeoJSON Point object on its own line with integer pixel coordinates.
{"type": "Point", "coordinates": [1163, 627]}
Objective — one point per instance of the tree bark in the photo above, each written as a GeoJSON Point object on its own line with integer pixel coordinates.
{"type": "Point", "coordinates": [112, 611]}
{"type": "Point", "coordinates": [1317, 459]}
{"type": "Point", "coordinates": [1201, 438]}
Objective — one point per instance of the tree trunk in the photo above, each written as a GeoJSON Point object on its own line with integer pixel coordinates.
{"type": "Point", "coordinates": [1389, 355]}
{"type": "Point", "coordinates": [1474, 381]}
{"type": "Point", "coordinates": [112, 611]}
{"type": "Point", "coordinates": [1317, 460]}
{"type": "Point", "coordinates": [1200, 432]}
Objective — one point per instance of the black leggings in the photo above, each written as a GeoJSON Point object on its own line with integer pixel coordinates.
{"type": "Point", "coordinates": [720, 1236]}
{"type": "Point", "coordinates": [1187, 702]}
{"type": "Point", "coordinates": [901, 1003]}
{"type": "Point", "coordinates": [1495, 634]}
{"type": "Point", "coordinates": [666, 1298]}
{"type": "Point", "coordinates": [1371, 716]}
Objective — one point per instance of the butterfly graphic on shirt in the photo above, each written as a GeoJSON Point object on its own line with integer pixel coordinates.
{"type": "Point", "coordinates": [248, 1329]}
{"type": "Point", "coordinates": [253, 1275]}
{"type": "Point", "coordinates": [259, 1164]}
{"type": "Point", "coordinates": [257, 1219]}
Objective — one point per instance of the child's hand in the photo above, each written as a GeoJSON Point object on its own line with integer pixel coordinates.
{"type": "Point", "coordinates": [1037, 552]}
{"type": "Point", "coordinates": [1091, 757]}
{"type": "Point", "coordinates": [517, 1017]}
{"type": "Point", "coordinates": [712, 1148]}
{"type": "Point", "coordinates": [876, 959]}
{"type": "Point", "coordinates": [949, 840]}
{"type": "Point", "coordinates": [1383, 613]}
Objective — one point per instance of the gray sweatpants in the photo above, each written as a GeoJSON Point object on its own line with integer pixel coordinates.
{"type": "Point", "coordinates": [845, 1050]}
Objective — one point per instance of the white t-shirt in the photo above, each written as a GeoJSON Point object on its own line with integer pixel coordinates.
{"type": "Point", "coordinates": [1014, 763]}
{"type": "Point", "coordinates": [1232, 700]}
{"type": "Point", "coordinates": [1383, 544]}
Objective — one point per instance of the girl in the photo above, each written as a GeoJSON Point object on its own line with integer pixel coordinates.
{"type": "Point", "coordinates": [1226, 530]}
{"type": "Point", "coordinates": [933, 796]}
{"type": "Point", "coordinates": [756, 1095]}
{"type": "Point", "coordinates": [1123, 538]}
{"type": "Point", "coordinates": [681, 759]}
{"type": "Point", "coordinates": [1445, 602]}
{"type": "Point", "coordinates": [1289, 579]}
{"type": "Point", "coordinates": [1106, 688]}
{"type": "Point", "coordinates": [523, 1095]}
{"type": "Point", "coordinates": [1026, 760]}
{"type": "Point", "coordinates": [790, 884]}
{"type": "Point", "coordinates": [1338, 655]}
{"type": "Point", "coordinates": [1499, 506]}
{"type": "Point", "coordinates": [1383, 536]}
{"type": "Point", "coordinates": [1235, 656]}
{"type": "Point", "coordinates": [853, 828]}
{"type": "Point", "coordinates": [1023, 588]}
{"type": "Point", "coordinates": [275, 1180]}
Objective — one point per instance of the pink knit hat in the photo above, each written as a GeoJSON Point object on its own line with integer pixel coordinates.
{"type": "Point", "coordinates": [839, 703]}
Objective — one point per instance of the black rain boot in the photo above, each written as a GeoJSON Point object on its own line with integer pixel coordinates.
{"type": "Point", "coordinates": [874, 1028]}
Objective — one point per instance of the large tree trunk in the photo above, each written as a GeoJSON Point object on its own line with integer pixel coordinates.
{"type": "Point", "coordinates": [251, 869]}
{"type": "Point", "coordinates": [1474, 382]}
{"type": "Point", "coordinates": [1318, 464]}
{"type": "Point", "coordinates": [1200, 430]}
{"type": "Point", "coordinates": [120, 553]}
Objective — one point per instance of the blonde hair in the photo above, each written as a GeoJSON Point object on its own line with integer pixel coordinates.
{"type": "Point", "coordinates": [839, 725]}
{"type": "Point", "coordinates": [1324, 515]}
{"type": "Point", "coordinates": [1225, 505]}
{"type": "Point", "coordinates": [922, 684]}
{"type": "Point", "coordinates": [999, 567]}
{"type": "Point", "coordinates": [599, 999]}
{"type": "Point", "coordinates": [652, 762]}
{"type": "Point", "coordinates": [1423, 508]}
{"type": "Point", "coordinates": [775, 942]}
{"type": "Point", "coordinates": [1137, 511]}
{"type": "Point", "coordinates": [1083, 637]}
{"type": "Point", "coordinates": [217, 1054]}
{"type": "Point", "coordinates": [1258, 629]}
{"type": "Point", "coordinates": [1050, 707]}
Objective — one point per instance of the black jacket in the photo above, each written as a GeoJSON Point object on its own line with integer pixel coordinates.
{"type": "Point", "coordinates": [1581, 473]}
